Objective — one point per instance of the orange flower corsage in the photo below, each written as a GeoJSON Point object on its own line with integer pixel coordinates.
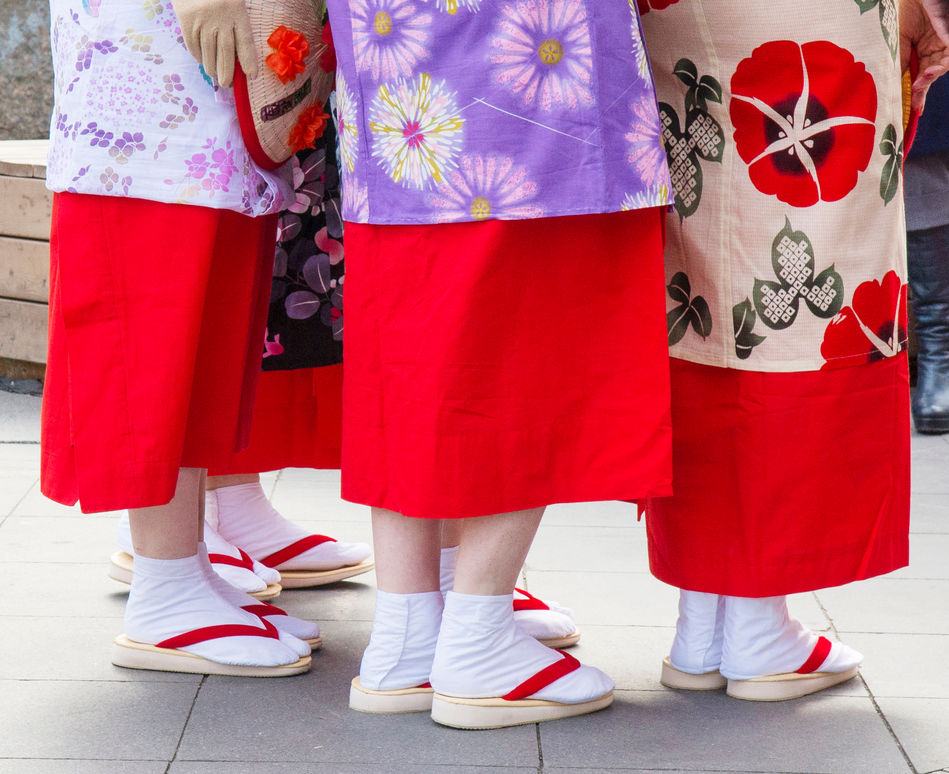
{"type": "Point", "coordinates": [308, 129]}
{"type": "Point", "coordinates": [290, 49]}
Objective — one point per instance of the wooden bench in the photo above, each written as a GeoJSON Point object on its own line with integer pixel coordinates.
{"type": "Point", "coordinates": [25, 211]}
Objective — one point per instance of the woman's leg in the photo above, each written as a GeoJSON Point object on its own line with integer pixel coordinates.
{"type": "Point", "coordinates": [172, 595]}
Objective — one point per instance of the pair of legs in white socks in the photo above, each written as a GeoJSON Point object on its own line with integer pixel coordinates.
{"type": "Point", "coordinates": [254, 548]}
{"type": "Point", "coordinates": [753, 648]}
{"type": "Point", "coordinates": [462, 654]}
{"type": "Point", "coordinates": [181, 616]}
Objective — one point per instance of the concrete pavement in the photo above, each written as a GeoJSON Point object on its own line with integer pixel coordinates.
{"type": "Point", "coordinates": [64, 709]}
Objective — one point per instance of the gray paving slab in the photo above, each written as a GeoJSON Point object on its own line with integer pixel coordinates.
{"type": "Point", "coordinates": [307, 719]}
{"type": "Point", "coordinates": [928, 557]}
{"type": "Point", "coordinates": [68, 649]}
{"type": "Point", "coordinates": [60, 590]}
{"type": "Point", "coordinates": [35, 504]}
{"type": "Point", "coordinates": [930, 514]}
{"type": "Point", "coordinates": [302, 767]}
{"type": "Point", "coordinates": [92, 720]}
{"type": "Point", "coordinates": [350, 600]}
{"type": "Point", "coordinates": [588, 549]}
{"type": "Point", "coordinates": [922, 725]}
{"type": "Point", "coordinates": [888, 604]}
{"type": "Point", "coordinates": [21, 417]}
{"type": "Point", "coordinates": [74, 766]}
{"type": "Point", "coordinates": [19, 458]}
{"type": "Point", "coordinates": [929, 455]}
{"type": "Point", "coordinates": [830, 733]}
{"type": "Point", "coordinates": [300, 501]}
{"type": "Point", "coordinates": [57, 539]}
{"type": "Point", "coordinates": [608, 514]}
{"type": "Point", "coordinates": [13, 489]}
{"type": "Point", "coordinates": [904, 665]}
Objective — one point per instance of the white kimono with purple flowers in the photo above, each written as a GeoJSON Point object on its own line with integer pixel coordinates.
{"type": "Point", "coordinates": [136, 116]}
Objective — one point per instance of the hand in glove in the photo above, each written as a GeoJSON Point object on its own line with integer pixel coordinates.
{"type": "Point", "coordinates": [214, 32]}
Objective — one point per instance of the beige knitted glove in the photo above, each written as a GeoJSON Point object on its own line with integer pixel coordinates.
{"type": "Point", "coordinates": [214, 32]}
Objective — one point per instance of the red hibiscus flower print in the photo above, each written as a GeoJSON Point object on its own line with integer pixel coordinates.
{"type": "Point", "coordinates": [646, 5]}
{"type": "Point", "coordinates": [873, 327]}
{"type": "Point", "coordinates": [804, 120]}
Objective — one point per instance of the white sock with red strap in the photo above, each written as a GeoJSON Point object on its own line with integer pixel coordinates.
{"type": "Point", "coordinates": [402, 644]}
{"type": "Point", "coordinates": [761, 639]}
{"type": "Point", "coordinates": [171, 604]}
{"type": "Point", "coordinates": [697, 647]}
{"type": "Point", "coordinates": [482, 653]}
{"type": "Point", "coordinates": [232, 564]}
{"type": "Point", "coordinates": [243, 515]}
{"type": "Point", "coordinates": [292, 630]}
{"type": "Point", "coordinates": [541, 619]}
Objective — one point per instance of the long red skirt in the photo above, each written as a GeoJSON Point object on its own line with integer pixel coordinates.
{"type": "Point", "coordinates": [499, 366]}
{"type": "Point", "coordinates": [157, 316]}
{"type": "Point", "coordinates": [784, 482]}
{"type": "Point", "coordinates": [296, 423]}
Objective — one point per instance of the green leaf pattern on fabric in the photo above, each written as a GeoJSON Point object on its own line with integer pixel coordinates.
{"type": "Point", "coordinates": [793, 261]}
{"type": "Point", "coordinates": [701, 137]}
{"type": "Point", "coordinates": [889, 21]}
{"type": "Point", "coordinates": [890, 182]}
{"type": "Point", "coordinates": [688, 312]}
{"type": "Point", "coordinates": [744, 318]}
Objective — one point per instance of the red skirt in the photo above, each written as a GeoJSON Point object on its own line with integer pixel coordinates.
{"type": "Point", "coordinates": [784, 482]}
{"type": "Point", "coordinates": [505, 365]}
{"type": "Point", "coordinates": [296, 423]}
{"type": "Point", "coordinates": [157, 316]}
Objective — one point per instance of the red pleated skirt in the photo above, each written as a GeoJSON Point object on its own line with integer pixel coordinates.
{"type": "Point", "coordinates": [157, 317]}
{"type": "Point", "coordinates": [784, 482]}
{"type": "Point", "coordinates": [499, 366]}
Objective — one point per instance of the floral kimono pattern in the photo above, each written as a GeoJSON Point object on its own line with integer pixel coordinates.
{"type": "Point", "coordinates": [464, 110]}
{"type": "Point", "coordinates": [136, 116]}
{"type": "Point", "coordinates": [305, 320]}
{"type": "Point", "coordinates": [783, 129]}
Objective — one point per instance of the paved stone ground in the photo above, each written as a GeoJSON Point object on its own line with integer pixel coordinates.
{"type": "Point", "coordinates": [65, 709]}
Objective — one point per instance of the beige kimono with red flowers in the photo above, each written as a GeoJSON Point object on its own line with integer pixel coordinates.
{"type": "Point", "coordinates": [785, 270]}
{"type": "Point", "coordinates": [783, 126]}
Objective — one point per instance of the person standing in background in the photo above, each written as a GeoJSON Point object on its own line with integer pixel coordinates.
{"type": "Point", "coordinates": [927, 224]}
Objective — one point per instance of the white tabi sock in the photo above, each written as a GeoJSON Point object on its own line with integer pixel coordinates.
{"type": "Point", "coordinates": [402, 644]}
{"type": "Point", "coordinates": [697, 647]}
{"type": "Point", "coordinates": [554, 623]}
{"type": "Point", "coordinates": [240, 577]}
{"type": "Point", "coordinates": [243, 515]}
{"type": "Point", "coordinates": [762, 639]}
{"type": "Point", "coordinates": [172, 596]}
{"type": "Point", "coordinates": [292, 630]}
{"type": "Point", "coordinates": [481, 653]}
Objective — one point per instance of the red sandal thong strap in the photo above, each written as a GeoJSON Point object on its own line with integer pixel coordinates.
{"type": "Point", "coordinates": [262, 609]}
{"type": "Point", "coordinates": [544, 677]}
{"type": "Point", "coordinates": [206, 633]}
{"type": "Point", "coordinates": [295, 549]}
{"type": "Point", "coordinates": [243, 561]}
{"type": "Point", "coordinates": [818, 656]}
{"type": "Point", "coordinates": [531, 603]}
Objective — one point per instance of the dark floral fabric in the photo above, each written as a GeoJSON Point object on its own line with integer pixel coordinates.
{"type": "Point", "coordinates": [305, 321]}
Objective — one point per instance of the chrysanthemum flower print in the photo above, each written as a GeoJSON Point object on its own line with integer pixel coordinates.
{"type": "Point", "coordinates": [655, 196]}
{"type": "Point", "coordinates": [355, 201]}
{"type": "Point", "coordinates": [484, 187]}
{"type": "Point", "coordinates": [645, 151]}
{"type": "Point", "coordinates": [453, 6]}
{"type": "Point", "coordinates": [416, 130]}
{"type": "Point", "coordinates": [347, 123]}
{"type": "Point", "coordinates": [639, 47]}
{"type": "Point", "coordinates": [543, 53]}
{"type": "Point", "coordinates": [390, 37]}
